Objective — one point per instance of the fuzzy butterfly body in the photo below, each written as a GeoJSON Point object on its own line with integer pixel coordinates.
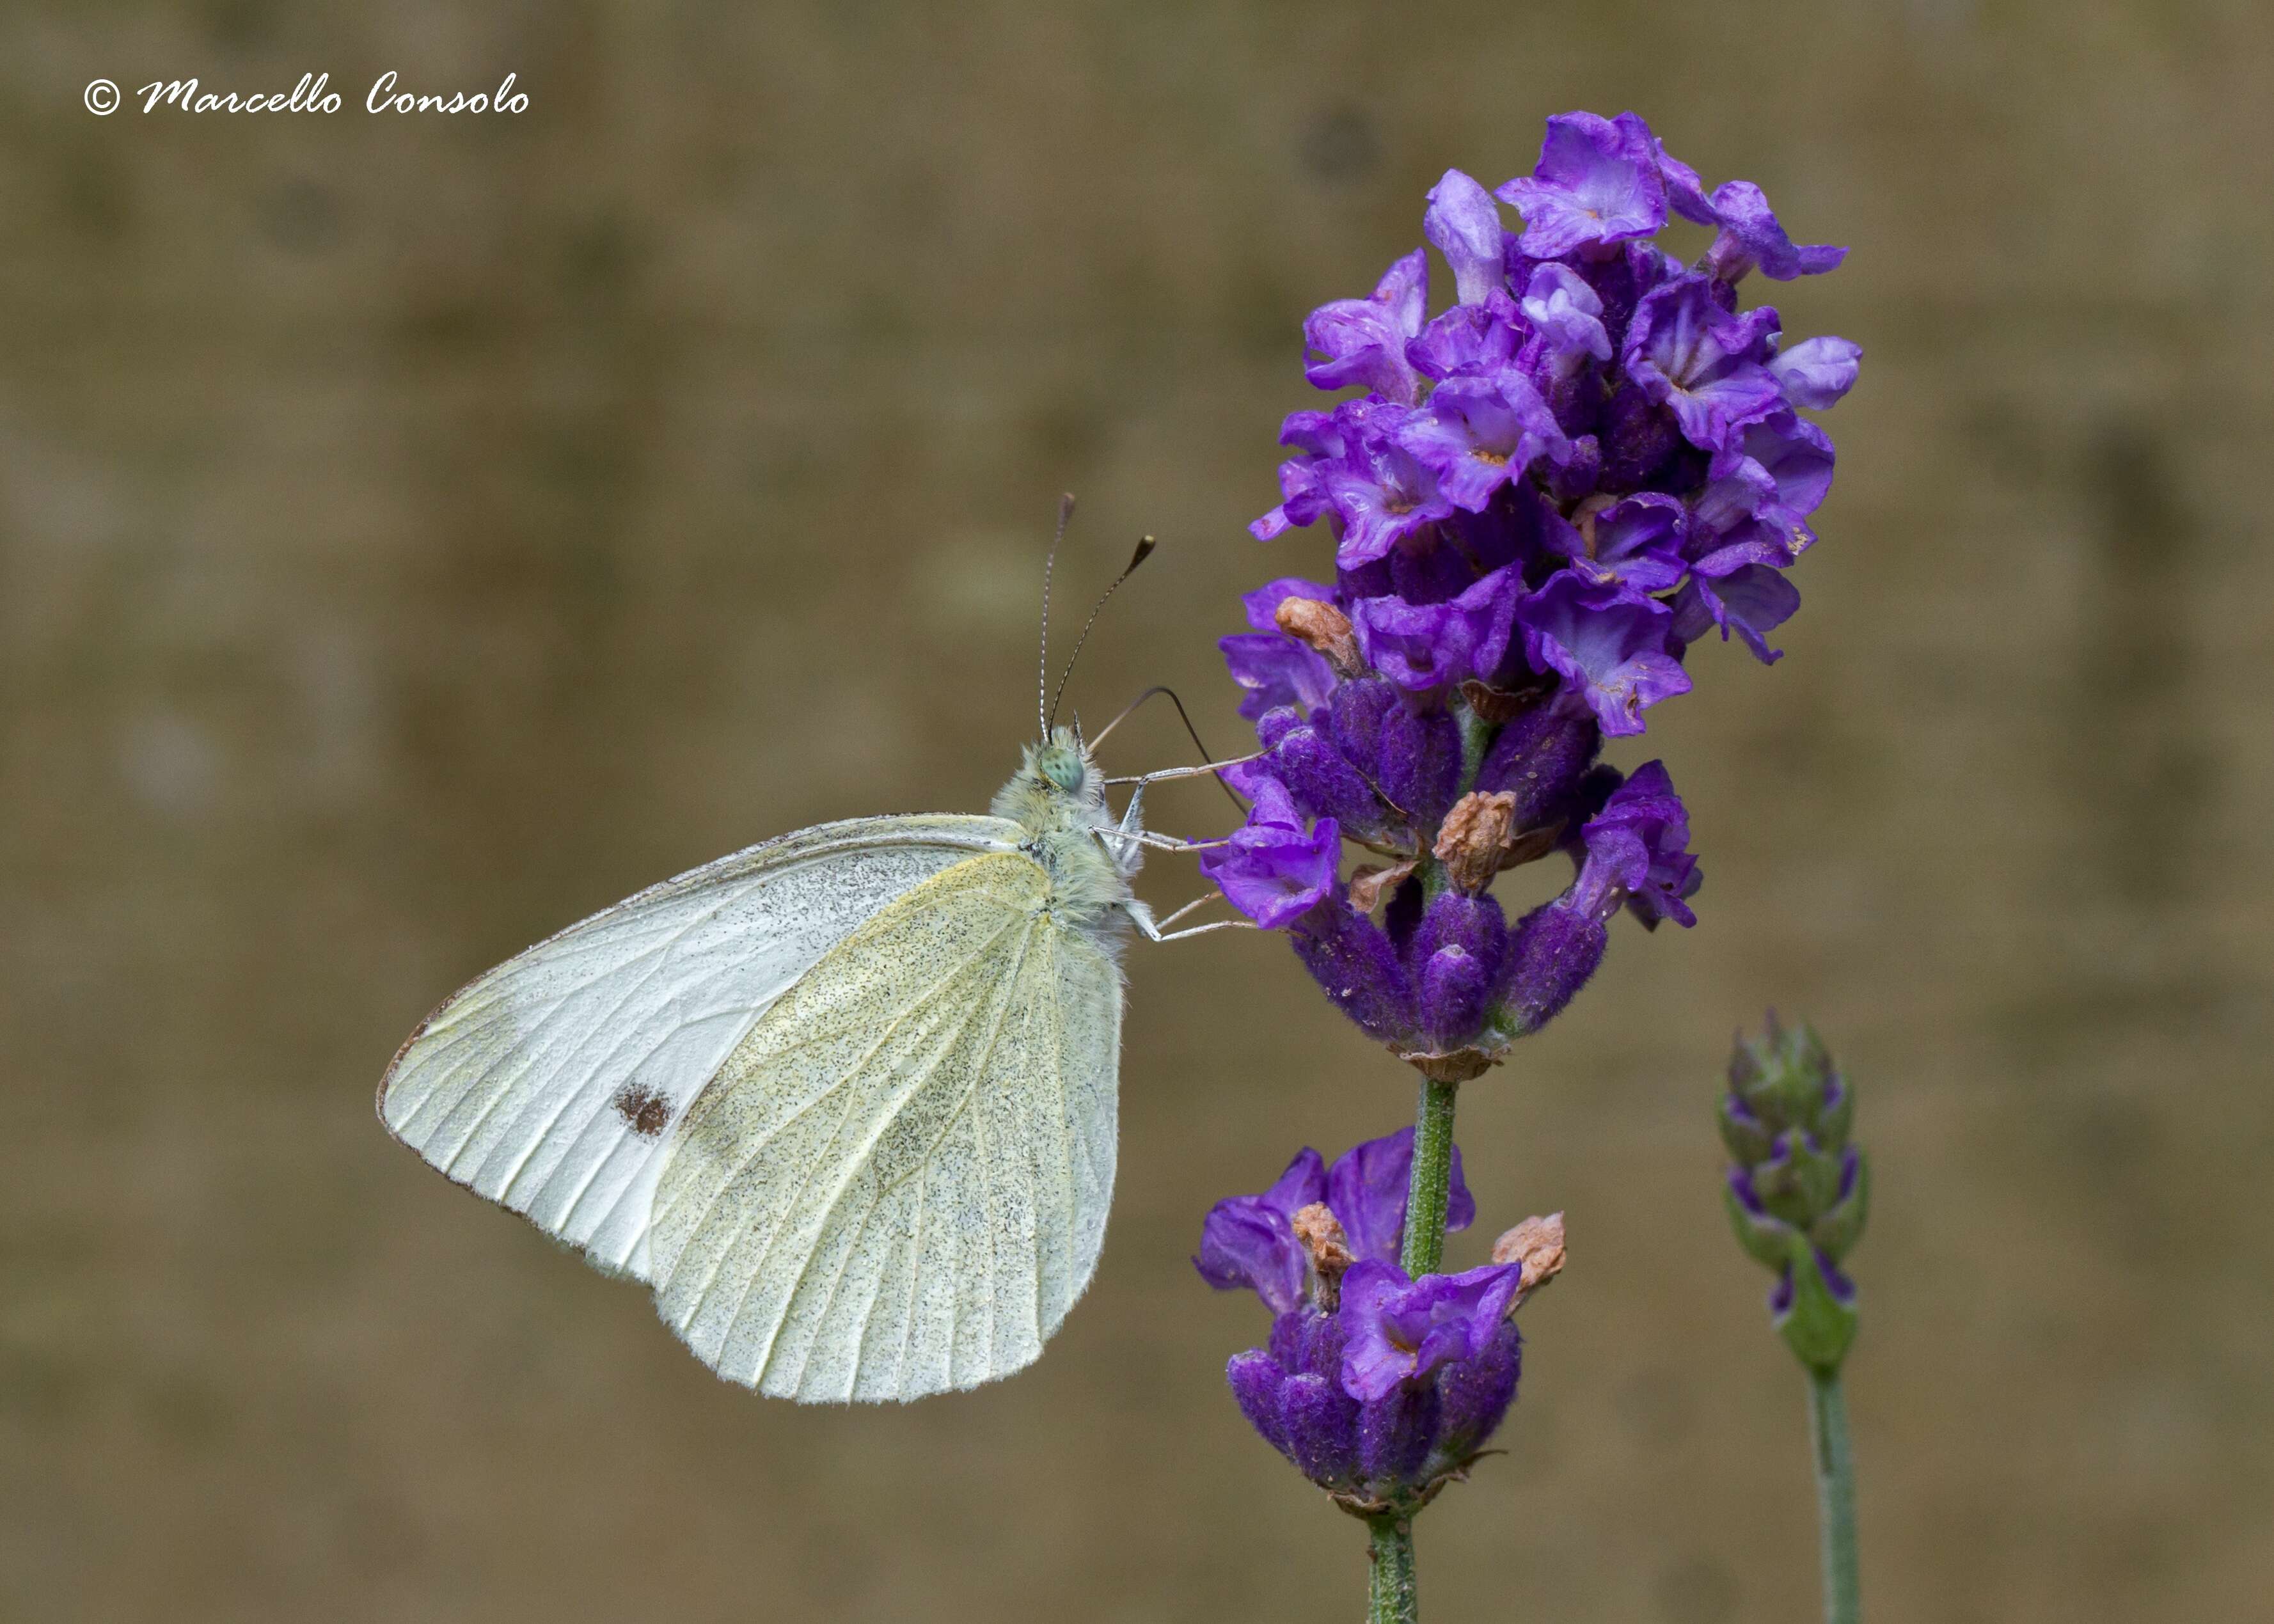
{"type": "Point", "coordinates": [846, 1101]}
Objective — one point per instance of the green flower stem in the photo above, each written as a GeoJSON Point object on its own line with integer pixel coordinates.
{"type": "Point", "coordinates": [1433, 1175]}
{"type": "Point", "coordinates": [1391, 1598]}
{"type": "Point", "coordinates": [1836, 1496]}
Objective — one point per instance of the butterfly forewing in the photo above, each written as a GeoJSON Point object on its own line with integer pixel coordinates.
{"type": "Point", "coordinates": [898, 1182]}
{"type": "Point", "coordinates": [555, 1083]}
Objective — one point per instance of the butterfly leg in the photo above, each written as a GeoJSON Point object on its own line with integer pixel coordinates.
{"type": "Point", "coordinates": [1147, 924]}
{"type": "Point", "coordinates": [1160, 842]}
{"type": "Point", "coordinates": [1184, 772]}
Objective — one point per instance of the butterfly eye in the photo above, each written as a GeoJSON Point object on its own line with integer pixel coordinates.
{"type": "Point", "coordinates": [1062, 768]}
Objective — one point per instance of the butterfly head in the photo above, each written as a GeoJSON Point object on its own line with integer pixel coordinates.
{"type": "Point", "coordinates": [1059, 786]}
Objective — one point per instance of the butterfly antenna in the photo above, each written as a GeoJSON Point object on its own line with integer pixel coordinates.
{"type": "Point", "coordinates": [1050, 563]}
{"type": "Point", "coordinates": [1145, 545]}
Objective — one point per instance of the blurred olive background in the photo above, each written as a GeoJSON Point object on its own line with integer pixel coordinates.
{"type": "Point", "coordinates": [418, 532]}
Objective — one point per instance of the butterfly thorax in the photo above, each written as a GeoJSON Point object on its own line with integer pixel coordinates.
{"type": "Point", "coordinates": [1057, 796]}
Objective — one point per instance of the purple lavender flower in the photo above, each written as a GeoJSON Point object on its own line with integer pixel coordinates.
{"type": "Point", "coordinates": [1423, 647]}
{"type": "Point", "coordinates": [1383, 494]}
{"type": "Point", "coordinates": [1704, 364]}
{"type": "Point", "coordinates": [1274, 870]}
{"type": "Point", "coordinates": [1753, 599]}
{"type": "Point", "coordinates": [1635, 542]}
{"type": "Point", "coordinates": [1750, 237]}
{"type": "Point", "coordinates": [1478, 433]}
{"type": "Point", "coordinates": [1249, 1240]}
{"type": "Point", "coordinates": [1480, 338]}
{"type": "Point", "coordinates": [1318, 439]}
{"type": "Point", "coordinates": [1463, 223]}
{"type": "Point", "coordinates": [1597, 182]}
{"type": "Point", "coordinates": [1375, 1387]}
{"type": "Point", "coordinates": [1363, 341]}
{"type": "Point", "coordinates": [1609, 644]}
{"type": "Point", "coordinates": [1274, 668]}
{"type": "Point", "coordinates": [1398, 1330]}
{"type": "Point", "coordinates": [1637, 853]}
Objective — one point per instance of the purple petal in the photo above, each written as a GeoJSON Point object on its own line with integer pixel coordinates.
{"type": "Point", "coordinates": [1398, 1330]}
{"type": "Point", "coordinates": [1753, 600]}
{"type": "Point", "coordinates": [1464, 223]}
{"type": "Point", "coordinates": [1469, 338]}
{"type": "Point", "coordinates": [1683, 189]}
{"type": "Point", "coordinates": [1363, 341]}
{"type": "Point", "coordinates": [1751, 237]}
{"type": "Point", "coordinates": [1247, 1240]}
{"type": "Point", "coordinates": [1478, 433]}
{"type": "Point", "coordinates": [1701, 362]}
{"type": "Point", "coordinates": [1271, 870]}
{"type": "Point", "coordinates": [1275, 670]}
{"type": "Point", "coordinates": [1817, 371]}
{"type": "Point", "coordinates": [1567, 316]}
{"type": "Point", "coordinates": [1636, 541]}
{"type": "Point", "coordinates": [1597, 182]}
{"type": "Point", "coordinates": [1384, 495]}
{"type": "Point", "coordinates": [1609, 645]}
{"type": "Point", "coordinates": [1423, 647]}
{"type": "Point", "coordinates": [1797, 458]}
{"type": "Point", "coordinates": [1636, 852]}
{"type": "Point", "coordinates": [1367, 1185]}
{"type": "Point", "coordinates": [1318, 438]}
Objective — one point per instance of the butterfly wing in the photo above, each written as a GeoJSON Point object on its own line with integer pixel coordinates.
{"type": "Point", "coordinates": [899, 1182]}
{"type": "Point", "coordinates": [551, 1084]}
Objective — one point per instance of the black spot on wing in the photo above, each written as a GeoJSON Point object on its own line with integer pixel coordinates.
{"type": "Point", "coordinates": [644, 1110]}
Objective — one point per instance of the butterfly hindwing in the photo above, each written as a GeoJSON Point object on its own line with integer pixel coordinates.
{"type": "Point", "coordinates": [556, 1084]}
{"type": "Point", "coordinates": [898, 1183]}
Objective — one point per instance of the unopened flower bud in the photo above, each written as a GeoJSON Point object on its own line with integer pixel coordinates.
{"type": "Point", "coordinates": [1797, 1192]}
{"type": "Point", "coordinates": [1474, 837]}
{"type": "Point", "coordinates": [1552, 951]}
{"type": "Point", "coordinates": [1324, 628]}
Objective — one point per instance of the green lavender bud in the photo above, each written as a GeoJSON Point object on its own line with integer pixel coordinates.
{"type": "Point", "coordinates": [1797, 1191]}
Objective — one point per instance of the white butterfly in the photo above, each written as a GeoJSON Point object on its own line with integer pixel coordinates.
{"type": "Point", "coordinates": [846, 1101]}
